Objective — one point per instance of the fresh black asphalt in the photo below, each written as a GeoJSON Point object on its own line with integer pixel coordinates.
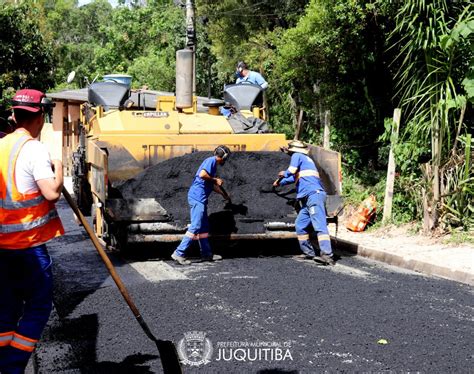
{"type": "Point", "coordinates": [329, 319]}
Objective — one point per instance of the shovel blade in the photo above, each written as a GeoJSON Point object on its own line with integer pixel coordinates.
{"type": "Point", "coordinates": [169, 357]}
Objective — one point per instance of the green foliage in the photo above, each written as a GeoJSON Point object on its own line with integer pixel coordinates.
{"type": "Point", "coordinates": [76, 33]}
{"type": "Point", "coordinates": [406, 205]}
{"type": "Point", "coordinates": [333, 59]}
{"type": "Point", "coordinates": [458, 190]}
{"type": "Point", "coordinates": [25, 52]}
{"type": "Point", "coordinates": [245, 30]}
{"type": "Point", "coordinates": [460, 237]}
{"type": "Point", "coordinates": [153, 71]}
{"type": "Point", "coordinates": [432, 41]}
{"type": "Point", "coordinates": [433, 44]}
{"type": "Point", "coordinates": [96, 39]}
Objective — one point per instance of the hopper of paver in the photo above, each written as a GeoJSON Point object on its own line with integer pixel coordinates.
{"type": "Point", "coordinates": [152, 206]}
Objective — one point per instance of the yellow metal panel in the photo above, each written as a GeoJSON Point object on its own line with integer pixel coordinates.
{"type": "Point", "coordinates": [168, 103]}
{"type": "Point", "coordinates": [203, 123]}
{"type": "Point", "coordinates": [137, 122]}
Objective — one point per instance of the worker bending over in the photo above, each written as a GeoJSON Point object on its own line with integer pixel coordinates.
{"type": "Point", "coordinates": [311, 198]}
{"type": "Point", "coordinates": [204, 182]}
{"type": "Point", "coordinates": [30, 183]}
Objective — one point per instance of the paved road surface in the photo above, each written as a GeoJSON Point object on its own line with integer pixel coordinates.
{"type": "Point", "coordinates": [261, 310]}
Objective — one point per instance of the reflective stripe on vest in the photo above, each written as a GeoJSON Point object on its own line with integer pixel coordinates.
{"type": "Point", "coordinates": [12, 205]}
{"type": "Point", "coordinates": [17, 227]}
{"type": "Point", "coordinates": [6, 338]}
{"type": "Point", "coordinates": [292, 169]}
{"type": "Point", "coordinates": [307, 173]}
{"type": "Point", "coordinates": [23, 343]}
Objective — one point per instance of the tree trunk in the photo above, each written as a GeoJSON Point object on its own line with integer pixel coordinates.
{"type": "Point", "coordinates": [299, 126]}
{"type": "Point", "coordinates": [327, 131]}
{"type": "Point", "coordinates": [387, 208]}
{"type": "Point", "coordinates": [427, 196]}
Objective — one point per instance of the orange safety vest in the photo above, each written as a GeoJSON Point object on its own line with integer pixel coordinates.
{"type": "Point", "coordinates": [26, 220]}
{"type": "Point", "coordinates": [361, 217]}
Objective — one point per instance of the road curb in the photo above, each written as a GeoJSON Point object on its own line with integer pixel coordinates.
{"type": "Point", "coordinates": [399, 261]}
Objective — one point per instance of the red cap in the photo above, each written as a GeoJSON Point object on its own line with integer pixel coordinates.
{"type": "Point", "coordinates": [28, 99]}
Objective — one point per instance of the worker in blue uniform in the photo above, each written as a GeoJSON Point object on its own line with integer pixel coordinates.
{"type": "Point", "coordinates": [244, 75]}
{"type": "Point", "coordinates": [204, 182]}
{"type": "Point", "coordinates": [311, 198]}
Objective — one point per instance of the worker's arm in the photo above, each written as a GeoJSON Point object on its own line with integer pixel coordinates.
{"type": "Point", "coordinates": [261, 81]}
{"type": "Point", "coordinates": [203, 174]}
{"type": "Point", "coordinates": [293, 168]}
{"type": "Point", "coordinates": [51, 187]}
{"type": "Point", "coordinates": [282, 181]}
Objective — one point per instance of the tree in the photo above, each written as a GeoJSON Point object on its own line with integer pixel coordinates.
{"type": "Point", "coordinates": [245, 30]}
{"type": "Point", "coordinates": [26, 54]}
{"type": "Point", "coordinates": [433, 41]}
{"type": "Point", "coordinates": [77, 34]}
{"type": "Point", "coordinates": [334, 59]}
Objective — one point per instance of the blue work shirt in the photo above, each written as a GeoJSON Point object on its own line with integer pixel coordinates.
{"type": "Point", "coordinates": [253, 77]}
{"type": "Point", "coordinates": [201, 189]}
{"type": "Point", "coordinates": [303, 171]}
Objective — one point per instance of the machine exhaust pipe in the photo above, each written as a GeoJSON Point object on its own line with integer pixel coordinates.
{"type": "Point", "coordinates": [184, 78]}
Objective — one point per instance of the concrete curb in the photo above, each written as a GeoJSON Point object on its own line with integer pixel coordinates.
{"type": "Point", "coordinates": [399, 261]}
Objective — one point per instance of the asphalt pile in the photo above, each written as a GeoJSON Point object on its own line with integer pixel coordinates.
{"type": "Point", "coordinates": [248, 179]}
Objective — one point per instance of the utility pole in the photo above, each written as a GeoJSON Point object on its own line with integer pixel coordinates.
{"type": "Point", "coordinates": [191, 36]}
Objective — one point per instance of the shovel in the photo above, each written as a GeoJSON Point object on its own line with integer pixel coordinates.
{"type": "Point", "coordinates": [227, 197]}
{"type": "Point", "coordinates": [168, 354]}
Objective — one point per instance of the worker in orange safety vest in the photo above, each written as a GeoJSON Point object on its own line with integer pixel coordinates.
{"type": "Point", "coordinates": [30, 184]}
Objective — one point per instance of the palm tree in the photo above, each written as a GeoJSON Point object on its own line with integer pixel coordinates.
{"type": "Point", "coordinates": [432, 40]}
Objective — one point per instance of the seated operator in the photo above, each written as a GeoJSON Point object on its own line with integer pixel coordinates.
{"type": "Point", "coordinates": [244, 75]}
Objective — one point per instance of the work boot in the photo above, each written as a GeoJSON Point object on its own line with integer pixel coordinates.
{"type": "Point", "coordinates": [326, 259]}
{"type": "Point", "coordinates": [180, 260]}
{"type": "Point", "coordinates": [212, 258]}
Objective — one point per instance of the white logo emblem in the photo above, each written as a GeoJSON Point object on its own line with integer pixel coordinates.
{"type": "Point", "coordinates": [195, 349]}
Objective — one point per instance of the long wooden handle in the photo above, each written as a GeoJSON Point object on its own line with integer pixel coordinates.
{"type": "Point", "coordinates": [108, 264]}
{"type": "Point", "coordinates": [168, 354]}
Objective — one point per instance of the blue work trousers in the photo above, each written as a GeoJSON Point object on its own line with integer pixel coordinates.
{"type": "Point", "coordinates": [313, 214]}
{"type": "Point", "coordinates": [198, 230]}
{"type": "Point", "coordinates": [26, 299]}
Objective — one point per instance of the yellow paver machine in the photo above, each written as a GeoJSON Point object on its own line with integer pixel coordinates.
{"type": "Point", "coordinates": [120, 139]}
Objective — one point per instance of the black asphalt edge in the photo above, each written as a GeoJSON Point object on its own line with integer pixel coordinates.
{"type": "Point", "coordinates": [399, 261]}
{"type": "Point", "coordinates": [47, 350]}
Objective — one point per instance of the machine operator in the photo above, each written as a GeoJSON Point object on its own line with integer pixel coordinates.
{"type": "Point", "coordinates": [244, 75]}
